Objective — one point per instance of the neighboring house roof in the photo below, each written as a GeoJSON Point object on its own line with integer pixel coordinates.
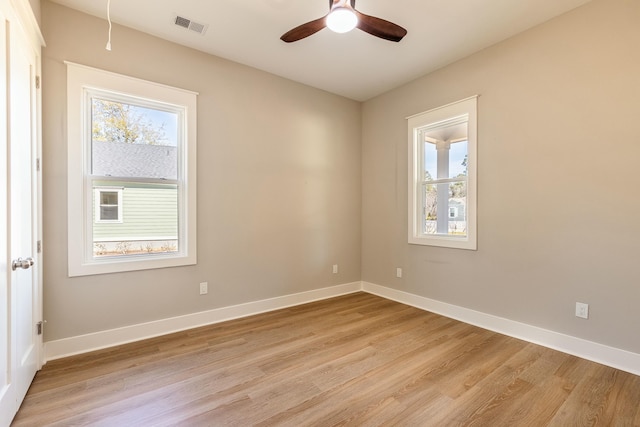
{"type": "Point", "coordinates": [134, 160]}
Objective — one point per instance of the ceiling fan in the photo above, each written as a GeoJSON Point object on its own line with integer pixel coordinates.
{"type": "Point", "coordinates": [343, 17]}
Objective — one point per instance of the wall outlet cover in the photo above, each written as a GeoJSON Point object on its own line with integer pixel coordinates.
{"type": "Point", "coordinates": [582, 310]}
{"type": "Point", "coordinates": [204, 288]}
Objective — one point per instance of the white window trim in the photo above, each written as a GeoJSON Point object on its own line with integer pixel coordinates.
{"type": "Point", "coordinates": [81, 78]}
{"type": "Point", "coordinates": [466, 106]}
{"type": "Point", "coordinates": [97, 205]}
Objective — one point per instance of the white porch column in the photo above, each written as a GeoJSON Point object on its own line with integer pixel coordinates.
{"type": "Point", "coordinates": [442, 148]}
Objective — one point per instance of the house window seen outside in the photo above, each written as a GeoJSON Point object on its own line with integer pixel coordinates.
{"type": "Point", "coordinates": [453, 212]}
{"type": "Point", "coordinates": [108, 205]}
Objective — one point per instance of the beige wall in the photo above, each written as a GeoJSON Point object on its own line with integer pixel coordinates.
{"type": "Point", "coordinates": [278, 183]}
{"type": "Point", "coordinates": [35, 6]}
{"type": "Point", "coordinates": [558, 142]}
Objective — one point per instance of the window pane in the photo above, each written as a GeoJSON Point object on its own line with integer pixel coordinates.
{"type": "Point", "coordinates": [149, 224]}
{"type": "Point", "coordinates": [133, 141]}
{"type": "Point", "coordinates": [108, 198]}
{"type": "Point", "coordinates": [453, 163]}
{"type": "Point", "coordinates": [457, 221]}
{"type": "Point", "coordinates": [430, 208]}
{"type": "Point", "coordinates": [451, 219]}
{"type": "Point", "coordinates": [458, 159]}
{"type": "Point", "coordinates": [445, 151]}
{"type": "Point", "coordinates": [108, 213]}
{"type": "Point", "coordinates": [430, 161]}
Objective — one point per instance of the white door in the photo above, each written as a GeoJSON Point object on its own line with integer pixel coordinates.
{"type": "Point", "coordinates": [7, 394]}
{"type": "Point", "coordinates": [22, 217]}
{"type": "Point", "coordinates": [21, 294]}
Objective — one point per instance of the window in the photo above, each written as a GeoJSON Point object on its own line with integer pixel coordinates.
{"type": "Point", "coordinates": [131, 167]}
{"type": "Point", "coordinates": [453, 212]}
{"type": "Point", "coordinates": [108, 205]}
{"type": "Point", "coordinates": [442, 176]}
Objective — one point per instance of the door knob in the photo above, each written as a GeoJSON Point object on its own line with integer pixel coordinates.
{"type": "Point", "coordinates": [21, 263]}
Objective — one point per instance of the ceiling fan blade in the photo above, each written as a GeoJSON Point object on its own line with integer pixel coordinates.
{"type": "Point", "coordinates": [380, 28]}
{"type": "Point", "coordinates": [304, 30]}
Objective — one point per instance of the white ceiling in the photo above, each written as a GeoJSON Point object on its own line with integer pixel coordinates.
{"type": "Point", "coordinates": [355, 65]}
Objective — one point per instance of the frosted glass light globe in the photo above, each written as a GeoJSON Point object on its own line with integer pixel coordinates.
{"type": "Point", "coordinates": [342, 20]}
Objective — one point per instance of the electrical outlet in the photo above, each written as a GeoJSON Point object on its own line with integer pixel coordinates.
{"type": "Point", "coordinates": [335, 268]}
{"type": "Point", "coordinates": [204, 288]}
{"type": "Point", "coordinates": [582, 310]}
{"type": "Point", "coordinates": [398, 272]}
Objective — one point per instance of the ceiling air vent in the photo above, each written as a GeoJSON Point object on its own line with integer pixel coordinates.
{"type": "Point", "coordinates": [191, 25]}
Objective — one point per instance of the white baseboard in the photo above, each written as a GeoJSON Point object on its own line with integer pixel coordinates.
{"type": "Point", "coordinates": [610, 356]}
{"type": "Point", "coordinates": [109, 338]}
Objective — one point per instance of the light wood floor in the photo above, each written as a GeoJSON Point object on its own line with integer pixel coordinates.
{"type": "Point", "coordinates": [354, 360]}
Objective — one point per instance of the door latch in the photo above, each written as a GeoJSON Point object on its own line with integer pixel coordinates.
{"type": "Point", "coordinates": [21, 263]}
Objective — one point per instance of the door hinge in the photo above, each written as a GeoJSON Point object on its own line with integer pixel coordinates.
{"type": "Point", "coordinates": [39, 246]}
{"type": "Point", "coordinates": [37, 165]}
{"type": "Point", "coordinates": [37, 82]}
{"type": "Point", "coordinates": [39, 327]}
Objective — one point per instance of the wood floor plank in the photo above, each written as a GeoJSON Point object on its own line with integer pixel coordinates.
{"type": "Point", "coordinates": [355, 360]}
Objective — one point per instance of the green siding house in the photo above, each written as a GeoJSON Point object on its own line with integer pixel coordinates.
{"type": "Point", "coordinates": [134, 217]}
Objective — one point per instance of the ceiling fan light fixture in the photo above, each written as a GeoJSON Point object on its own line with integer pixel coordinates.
{"type": "Point", "coordinates": [342, 20]}
{"type": "Point", "coordinates": [344, 17]}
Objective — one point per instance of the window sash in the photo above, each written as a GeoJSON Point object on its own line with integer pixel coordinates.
{"type": "Point", "coordinates": [93, 94]}
{"type": "Point", "coordinates": [90, 94]}
{"type": "Point", "coordinates": [423, 214]}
